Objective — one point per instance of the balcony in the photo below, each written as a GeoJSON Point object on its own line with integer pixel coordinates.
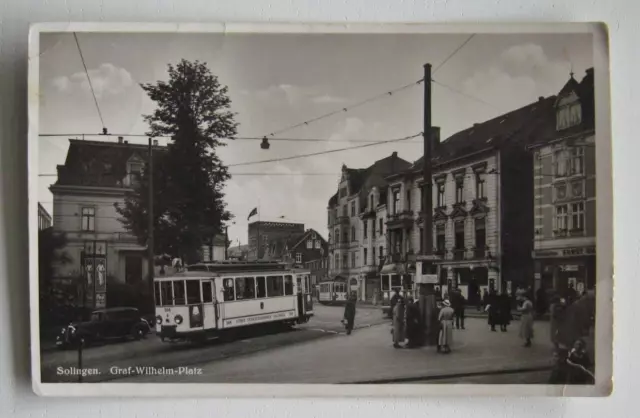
{"type": "Point", "coordinates": [480, 253]}
{"type": "Point", "coordinates": [402, 219]}
{"type": "Point", "coordinates": [395, 258]}
{"type": "Point", "coordinates": [368, 214]}
{"type": "Point", "coordinates": [340, 245]}
{"type": "Point", "coordinates": [371, 268]}
{"type": "Point", "coordinates": [342, 220]}
{"type": "Point", "coordinates": [458, 254]}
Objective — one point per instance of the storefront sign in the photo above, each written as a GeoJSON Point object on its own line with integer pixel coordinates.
{"type": "Point", "coordinates": [258, 318]}
{"type": "Point", "coordinates": [567, 252]}
{"type": "Point", "coordinates": [569, 267]}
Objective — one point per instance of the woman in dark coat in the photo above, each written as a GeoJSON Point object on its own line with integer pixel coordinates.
{"type": "Point", "coordinates": [413, 324]}
{"type": "Point", "coordinates": [494, 310]}
{"type": "Point", "coordinates": [504, 306]}
{"type": "Point", "coordinates": [350, 313]}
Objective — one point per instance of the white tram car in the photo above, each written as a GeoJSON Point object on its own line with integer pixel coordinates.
{"type": "Point", "coordinates": [209, 299]}
{"type": "Point", "coordinates": [333, 292]}
{"type": "Point", "coordinates": [403, 283]}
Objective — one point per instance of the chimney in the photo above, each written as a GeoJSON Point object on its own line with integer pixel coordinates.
{"type": "Point", "coordinates": [155, 142]}
{"type": "Point", "coordinates": [394, 155]}
{"type": "Point", "coordinates": [120, 139]}
{"type": "Point", "coordinates": [541, 98]}
{"type": "Point", "coordinates": [589, 71]}
{"type": "Point", "coordinates": [126, 142]}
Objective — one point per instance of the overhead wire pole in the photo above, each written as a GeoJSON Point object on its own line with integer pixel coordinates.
{"type": "Point", "coordinates": [150, 225]}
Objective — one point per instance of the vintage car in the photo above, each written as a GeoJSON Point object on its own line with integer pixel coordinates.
{"type": "Point", "coordinates": [105, 324]}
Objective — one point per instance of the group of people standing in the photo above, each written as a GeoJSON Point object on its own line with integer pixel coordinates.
{"type": "Point", "coordinates": [407, 324]}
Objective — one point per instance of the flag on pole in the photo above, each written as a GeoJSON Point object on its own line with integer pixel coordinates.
{"type": "Point", "coordinates": [252, 213]}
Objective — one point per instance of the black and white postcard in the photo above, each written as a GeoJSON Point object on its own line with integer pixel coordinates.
{"type": "Point", "coordinates": [320, 210]}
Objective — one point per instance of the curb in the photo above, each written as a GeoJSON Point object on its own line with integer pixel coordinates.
{"type": "Point", "coordinates": [450, 376]}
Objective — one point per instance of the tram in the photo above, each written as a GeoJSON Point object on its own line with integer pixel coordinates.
{"type": "Point", "coordinates": [333, 292]}
{"type": "Point", "coordinates": [389, 283]}
{"type": "Point", "coordinates": [209, 299]}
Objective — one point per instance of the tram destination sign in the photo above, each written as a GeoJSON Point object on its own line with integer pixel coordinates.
{"type": "Point", "coordinates": [258, 319]}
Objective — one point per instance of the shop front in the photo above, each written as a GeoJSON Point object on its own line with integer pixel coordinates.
{"type": "Point", "coordinates": [560, 269]}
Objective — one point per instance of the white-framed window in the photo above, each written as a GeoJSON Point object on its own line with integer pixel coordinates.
{"type": "Point", "coordinates": [561, 163]}
{"type": "Point", "coordinates": [298, 257]}
{"type": "Point", "coordinates": [88, 219]}
{"type": "Point", "coordinates": [353, 259]}
{"type": "Point", "coordinates": [561, 218]}
{"type": "Point", "coordinates": [309, 244]}
{"type": "Point", "coordinates": [440, 196]}
{"type": "Point", "coordinates": [577, 216]}
{"type": "Point", "coordinates": [364, 256]}
{"type": "Point", "coordinates": [317, 244]}
{"type": "Point", "coordinates": [577, 160]}
{"type": "Point", "coordinates": [459, 189]}
{"type": "Point", "coordinates": [480, 185]}
{"type": "Point", "coordinates": [396, 201]}
{"type": "Point", "coordinates": [353, 208]}
{"type": "Point", "coordinates": [353, 233]}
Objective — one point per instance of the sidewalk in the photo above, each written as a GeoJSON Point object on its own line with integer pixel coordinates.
{"type": "Point", "coordinates": [367, 356]}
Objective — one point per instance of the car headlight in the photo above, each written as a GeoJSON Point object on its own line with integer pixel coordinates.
{"type": "Point", "coordinates": [158, 320]}
{"type": "Point", "coordinates": [178, 319]}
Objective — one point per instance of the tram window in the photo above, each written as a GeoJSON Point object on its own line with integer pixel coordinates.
{"type": "Point", "coordinates": [193, 292]}
{"type": "Point", "coordinates": [166, 293]}
{"type": "Point", "coordinates": [227, 289]}
{"type": "Point", "coordinates": [395, 280]}
{"type": "Point", "coordinates": [156, 293]}
{"type": "Point", "coordinates": [207, 295]}
{"type": "Point", "coordinates": [261, 287]}
{"type": "Point", "coordinates": [245, 288]}
{"type": "Point", "coordinates": [385, 282]}
{"type": "Point", "coordinates": [288, 285]}
{"type": "Point", "coordinates": [178, 292]}
{"type": "Point", "coordinates": [275, 286]}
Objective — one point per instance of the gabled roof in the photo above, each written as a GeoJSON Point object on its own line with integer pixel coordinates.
{"type": "Point", "coordinates": [100, 163]}
{"type": "Point", "coordinates": [515, 127]}
{"type": "Point", "coordinates": [361, 180]}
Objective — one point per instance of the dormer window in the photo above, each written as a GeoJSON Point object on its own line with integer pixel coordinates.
{"type": "Point", "coordinates": [569, 112]}
{"type": "Point", "coordinates": [134, 173]}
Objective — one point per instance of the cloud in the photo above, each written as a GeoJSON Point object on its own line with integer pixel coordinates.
{"type": "Point", "coordinates": [327, 99]}
{"type": "Point", "coordinates": [295, 95]}
{"type": "Point", "coordinates": [107, 80]}
{"type": "Point", "coordinates": [520, 75]}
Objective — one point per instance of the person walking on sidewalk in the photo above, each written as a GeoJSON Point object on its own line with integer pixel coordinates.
{"type": "Point", "coordinates": [526, 320]}
{"type": "Point", "coordinates": [493, 306]}
{"type": "Point", "coordinates": [504, 307]}
{"type": "Point", "coordinates": [350, 313]}
{"type": "Point", "coordinates": [457, 303]}
{"type": "Point", "coordinates": [398, 323]}
{"type": "Point", "coordinates": [392, 302]}
{"type": "Point", "coordinates": [413, 324]}
{"type": "Point", "coordinates": [445, 339]}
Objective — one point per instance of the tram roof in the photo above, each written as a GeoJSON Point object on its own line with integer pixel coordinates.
{"type": "Point", "coordinates": [214, 269]}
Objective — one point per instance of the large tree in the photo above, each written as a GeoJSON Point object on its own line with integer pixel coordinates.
{"type": "Point", "coordinates": [50, 254]}
{"type": "Point", "coordinates": [193, 108]}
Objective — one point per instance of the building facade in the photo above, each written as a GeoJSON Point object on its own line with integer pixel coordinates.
{"type": "Point", "coordinates": [44, 218]}
{"type": "Point", "coordinates": [319, 269]}
{"type": "Point", "coordinates": [265, 236]}
{"type": "Point", "coordinates": [95, 177]}
{"type": "Point", "coordinates": [356, 221]}
{"type": "Point", "coordinates": [482, 204]}
{"type": "Point", "coordinates": [564, 176]}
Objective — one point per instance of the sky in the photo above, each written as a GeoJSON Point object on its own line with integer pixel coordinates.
{"type": "Point", "coordinates": [279, 80]}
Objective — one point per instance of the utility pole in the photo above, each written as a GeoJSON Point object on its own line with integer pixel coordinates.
{"type": "Point", "coordinates": [150, 226]}
{"type": "Point", "coordinates": [427, 300]}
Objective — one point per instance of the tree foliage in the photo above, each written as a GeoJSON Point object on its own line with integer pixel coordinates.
{"type": "Point", "coordinates": [193, 108]}
{"type": "Point", "coordinates": [50, 254]}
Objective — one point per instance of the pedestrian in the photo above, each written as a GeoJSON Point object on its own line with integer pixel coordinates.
{"type": "Point", "coordinates": [557, 313]}
{"type": "Point", "coordinates": [457, 303]}
{"type": "Point", "coordinates": [526, 320]}
{"type": "Point", "coordinates": [541, 301]}
{"type": "Point", "coordinates": [493, 307]}
{"type": "Point", "coordinates": [571, 295]}
{"type": "Point", "coordinates": [445, 339]}
{"type": "Point", "coordinates": [398, 323]}
{"type": "Point", "coordinates": [504, 308]}
{"type": "Point", "coordinates": [478, 300]}
{"type": "Point", "coordinates": [392, 303]}
{"type": "Point", "coordinates": [350, 313]}
{"type": "Point", "coordinates": [413, 324]}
